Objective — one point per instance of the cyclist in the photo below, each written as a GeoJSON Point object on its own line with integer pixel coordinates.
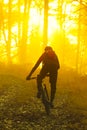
{"type": "Point", "coordinates": [50, 65]}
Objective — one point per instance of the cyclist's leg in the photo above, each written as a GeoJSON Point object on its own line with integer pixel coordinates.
{"type": "Point", "coordinates": [39, 85]}
{"type": "Point", "coordinates": [53, 79]}
{"type": "Point", "coordinates": [53, 91]}
{"type": "Point", "coordinates": [40, 77]}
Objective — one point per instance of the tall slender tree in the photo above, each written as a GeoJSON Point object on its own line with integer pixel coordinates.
{"type": "Point", "coordinates": [9, 32]}
{"type": "Point", "coordinates": [25, 27]}
{"type": "Point", "coordinates": [79, 40]}
{"type": "Point", "coordinates": [45, 28]}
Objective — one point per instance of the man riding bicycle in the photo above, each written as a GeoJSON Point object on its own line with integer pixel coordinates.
{"type": "Point", "coordinates": [50, 65]}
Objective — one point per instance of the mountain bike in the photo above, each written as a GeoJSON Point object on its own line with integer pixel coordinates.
{"type": "Point", "coordinates": [44, 97]}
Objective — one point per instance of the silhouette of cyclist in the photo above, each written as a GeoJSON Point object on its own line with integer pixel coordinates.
{"type": "Point", "coordinates": [50, 65]}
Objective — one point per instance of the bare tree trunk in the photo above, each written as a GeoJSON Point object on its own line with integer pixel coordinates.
{"type": "Point", "coordinates": [19, 22]}
{"type": "Point", "coordinates": [78, 45]}
{"type": "Point", "coordinates": [9, 33]}
{"type": "Point", "coordinates": [62, 32]}
{"type": "Point", "coordinates": [45, 29]}
{"type": "Point", "coordinates": [23, 41]}
{"type": "Point", "coordinates": [25, 23]}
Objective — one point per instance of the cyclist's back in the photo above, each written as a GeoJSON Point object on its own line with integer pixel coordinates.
{"type": "Point", "coordinates": [50, 65]}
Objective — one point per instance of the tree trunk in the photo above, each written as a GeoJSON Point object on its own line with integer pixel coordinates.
{"type": "Point", "coordinates": [9, 33]}
{"type": "Point", "coordinates": [23, 41]}
{"type": "Point", "coordinates": [19, 22]}
{"type": "Point", "coordinates": [45, 29]}
{"type": "Point", "coordinates": [78, 45]}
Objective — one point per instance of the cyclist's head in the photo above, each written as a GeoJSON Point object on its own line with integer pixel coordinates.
{"type": "Point", "coordinates": [48, 48]}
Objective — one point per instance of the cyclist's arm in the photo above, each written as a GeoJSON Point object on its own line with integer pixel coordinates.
{"type": "Point", "coordinates": [58, 64]}
{"type": "Point", "coordinates": [36, 65]}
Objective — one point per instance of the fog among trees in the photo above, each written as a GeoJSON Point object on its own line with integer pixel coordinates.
{"type": "Point", "coordinates": [27, 26]}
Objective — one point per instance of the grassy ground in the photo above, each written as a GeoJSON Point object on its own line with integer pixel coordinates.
{"type": "Point", "coordinates": [21, 110]}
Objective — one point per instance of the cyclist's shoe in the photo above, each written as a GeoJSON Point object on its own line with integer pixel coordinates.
{"type": "Point", "coordinates": [39, 95]}
{"type": "Point", "coordinates": [51, 105]}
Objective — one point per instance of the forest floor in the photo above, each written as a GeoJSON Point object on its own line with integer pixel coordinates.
{"type": "Point", "coordinates": [21, 110]}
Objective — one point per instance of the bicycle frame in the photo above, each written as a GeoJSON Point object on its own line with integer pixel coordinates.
{"type": "Point", "coordinates": [45, 97]}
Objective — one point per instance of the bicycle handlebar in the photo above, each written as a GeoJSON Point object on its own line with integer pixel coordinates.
{"type": "Point", "coordinates": [36, 77]}
{"type": "Point", "coordinates": [32, 78]}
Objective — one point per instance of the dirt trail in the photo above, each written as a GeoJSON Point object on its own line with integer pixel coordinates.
{"type": "Point", "coordinates": [21, 110]}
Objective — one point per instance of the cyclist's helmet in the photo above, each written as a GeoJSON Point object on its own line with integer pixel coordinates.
{"type": "Point", "coordinates": [48, 48]}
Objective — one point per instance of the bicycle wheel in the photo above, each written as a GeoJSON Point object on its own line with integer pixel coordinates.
{"type": "Point", "coordinates": [45, 99]}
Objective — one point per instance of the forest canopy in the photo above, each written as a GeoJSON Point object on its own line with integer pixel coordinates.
{"type": "Point", "coordinates": [27, 26]}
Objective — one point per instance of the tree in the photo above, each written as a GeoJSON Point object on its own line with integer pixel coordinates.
{"type": "Point", "coordinates": [25, 27]}
{"type": "Point", "coordinates": [9, 32]}
{"type": "Point", "coordinates": [45, 29]}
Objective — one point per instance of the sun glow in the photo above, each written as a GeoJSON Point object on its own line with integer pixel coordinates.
{"type": "Point", "coordinates": [37, 19]}
{"type": "Point", "coordinates": [34, 16]}
{"type": "Point", "coordinates": [5, 1]}
{"type": "Point", "coordinates": [52, 26]}
{"type": "Point", "coordinates": [68, 9]}
{"type": "Point", "coordinates": [34, 21]}
{"type": "Point", "coordinates": [72, 39]}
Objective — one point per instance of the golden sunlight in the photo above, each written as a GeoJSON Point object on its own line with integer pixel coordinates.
{"type": "Point", "coordinates": [15, 39]}
{"type": "Point", "coordinates": [37, 19]}
{"type": "Point", "coordinates": [5, 1]}
{"type": "Point", "coordinates": [72, 39]}
{"type": "Point", "coordinates": [68, 9]}
{"type": "Point", "coordinates": [34, 16]}
{"type": "Point", "coordinates": [52, 26]}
